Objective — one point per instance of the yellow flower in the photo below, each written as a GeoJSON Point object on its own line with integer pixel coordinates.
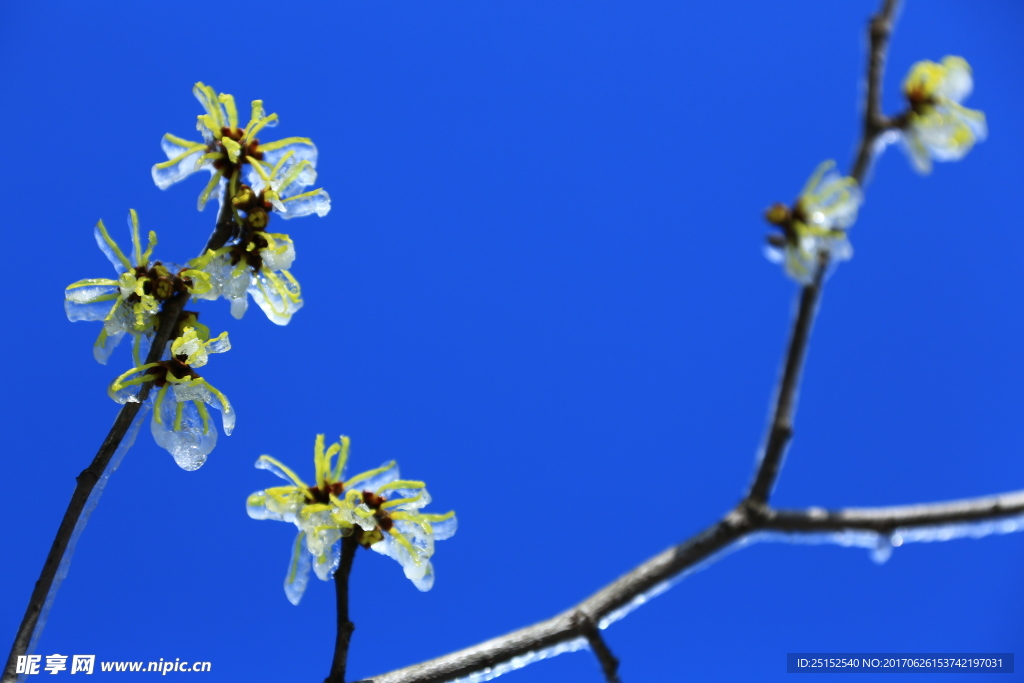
{"type": "Point", "coordinates": [181, 423]}
{"type": "Point", "coordinates": [335, 507]}
{"type": "Point", "coordinates": [226, 147]}
{"type": "Point", "coordinates": [281, 186]}
{"type": "Point", "coordinates": [387, 519]}
{"type": "Point", "coordinates": [131, 303]}
{"type": "Point", "coordinates": [937, 125]}
{"type": "Point", "coordinates": [814, 229]}
{"type": "Point", "coordinates": [257, 266]}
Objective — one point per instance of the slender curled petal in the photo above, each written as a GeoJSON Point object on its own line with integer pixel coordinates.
{"type": "Point", "coordinates": [277, 294]}
{"type": "Point", "coordinates": [814, 228]}
{"type": "Point", "coordinates": [298, 571]}
{"type": "Point", "coordinates": [130, 303]}
{"type": "Point", "coordinates": [378, 507]}
{"type": "Point", "coordinates": [184, 158]}
{"type": "Point", "coordinates": [180, 398]}
{"type": "Point", "coordinates": [937, 126]}
{"type": "Point", "coordinates": [282, 184]}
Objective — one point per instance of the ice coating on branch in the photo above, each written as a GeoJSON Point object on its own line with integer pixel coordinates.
{"type": "Point", "coordinates": [90, 504]}
{"type": "Point", "coordinates": [519, 662]}
{"type": "Point", "coordinates": [879, 547]}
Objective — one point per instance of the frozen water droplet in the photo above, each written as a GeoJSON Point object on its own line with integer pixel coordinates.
{"type": "Point", "coordinates": [883, 550]}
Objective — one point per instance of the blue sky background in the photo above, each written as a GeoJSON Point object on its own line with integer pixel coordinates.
{"type": "Point", "coordinates": [540, 289]}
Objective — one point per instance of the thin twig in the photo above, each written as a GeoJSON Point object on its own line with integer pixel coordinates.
{"type": "Point", "coordinates": [608, 661]}
{"type": "Point", "coordinates": [875, 122]}
{"type": "Point", "coordinates": [170, 312]}
{"type": "Point", "coordinates": [349, 546]}
{"type": "Point", "coordinates": [781, 428]}
{"type": "Point", "coordinates": [887, 519]}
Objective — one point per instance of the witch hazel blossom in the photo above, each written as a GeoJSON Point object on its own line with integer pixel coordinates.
{"type": "Point", "coordinates": [387, 519]}
{"type": "Point", "coordinates": [281, 185]}
{"type": "Point", "coordinates": [234, 276]}
{"type": "Point", "coordinates": [226, 147]}
{"type": "Point", "coordinates": [181, 423]}
{"type": "Point", "coordinates": [813, 230]}
{"type": "Point", "coordinates": [308, 508]}
{"type": "Point", "coordinates": [376, 506]}
{"type": "Point", "coordinates": [937, 126]}
{"type": "Point", "coordinates": [131, 303]}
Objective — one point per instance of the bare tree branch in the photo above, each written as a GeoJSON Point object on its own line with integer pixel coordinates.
{"type": "Point", "coordinates": [349, 546]}
{"type": "Point", "coordinates": [738, 524]}
{"type": "Point", "coordinates": [753, 513]}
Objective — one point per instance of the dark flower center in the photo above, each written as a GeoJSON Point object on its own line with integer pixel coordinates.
{"type": "Point", "coordinates": [254, 215]}
{"type": "Point", "coordinates": [224, 164]}
{"type": "Point", "coordinates": [323, 493]}
{"type": "Point", "coordinates": [161, 284]}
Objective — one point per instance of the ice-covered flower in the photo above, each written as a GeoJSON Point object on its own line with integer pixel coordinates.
{"type": "Point", "coordinates": [386, 517]}
{"type": "Point", "coordinates": [131, 303]}
{"type": "Point", "coordinates": [937, 125]}
{"type": "Point", "coordinates": [814, 229]}
{"type": "Point", "coordinates": [226, 147]}
{"type": "Point", "coordinates": [334, 508]}
{"type": "Point", "coordinates": [255, 260]}
{"type": "Point", "coordinates": [257, 266]}
{"type": "Point", "coordinates": [281, 186]}
{"type": "Point", "coordinates": [181, 423]}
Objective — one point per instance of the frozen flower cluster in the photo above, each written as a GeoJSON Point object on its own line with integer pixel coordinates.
{"type": "Point", "coordinates": [937, 125]}
{"type": "Point", "coordinates": [813, 231]}
{"type": "Point", "coordinates": [257, 179]}
{"type": "Point", "coordinates": [181, 423]}
{"type": "Point", "coordinates": [254, 180]}
{"type": "Point", "coordinates": [378, 509]}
